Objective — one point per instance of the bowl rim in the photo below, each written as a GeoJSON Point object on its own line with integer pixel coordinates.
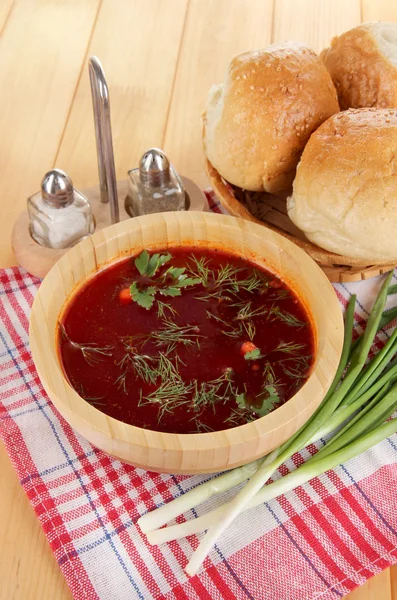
{"type": "Point", "coordinates": [95, 420]}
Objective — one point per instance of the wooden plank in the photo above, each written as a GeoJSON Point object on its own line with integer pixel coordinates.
{"type": "Point", "coordinates": [43, 45]}
{"type": "Point", "coordinates": [376, 588]}
{"type": "Point", "coordinates": [138, 45]}
{"type": "Point", "coordinates": [381, 10]}
{"type": "Point", "coordinates": [5, 10]}
{"type": "Point", "coordinates": [214, 33]}
{"type": "Point", "coordinates": [314, 22]}
{"type": "Point", "coordinates": [28, 569]}
{"type": "Point", "coordinates": [393, 582]}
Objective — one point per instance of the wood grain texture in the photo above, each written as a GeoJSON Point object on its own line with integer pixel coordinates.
{"type": "Point", "coordinates": [214, 32]}
{"type": "Point", "coordinates": [382, 10]}
{"type": "Point", "coordinates": [377, 588]}
{"type": "Point", "coordinates": [5, 11]}
{"type": "Point", "coordinates": [39, 68]}
{"type": "Point", "coordinates": [28, 569]}
{"type": "Point", "coordinates": [138, 45]}
{"type": "Point", "coordinates": [187, 453]}
{"type": "Point", "coordinates": [24, 51]}
{"type": "Point", "coordinates": [314, 22]}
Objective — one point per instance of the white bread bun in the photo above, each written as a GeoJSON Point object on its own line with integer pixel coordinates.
{"type": "Point", "coordinates": [345, 191]}
{"type": "Point", "coordinates": [258, 122]}
{"type": "Point", "coordinates": [363, 65]}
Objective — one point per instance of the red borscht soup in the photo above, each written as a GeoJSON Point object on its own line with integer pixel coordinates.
{"type": "Point", "coordinates": [186, 341]}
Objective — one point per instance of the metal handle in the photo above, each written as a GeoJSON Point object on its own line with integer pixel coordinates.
{"type": "Point", "coordinates": [103, 133]}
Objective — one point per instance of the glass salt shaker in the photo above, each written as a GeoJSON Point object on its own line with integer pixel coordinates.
{"type": "Point", "coordinates": [60, 216]}
{"type": "Point", "coordinates": [155, 186]}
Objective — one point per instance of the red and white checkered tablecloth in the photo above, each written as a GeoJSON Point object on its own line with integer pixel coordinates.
{"type": "Point", "coordinates": [318, 541]}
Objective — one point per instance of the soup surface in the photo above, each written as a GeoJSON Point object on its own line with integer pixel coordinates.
{"type": "Point", "coordinates": [186, 341]}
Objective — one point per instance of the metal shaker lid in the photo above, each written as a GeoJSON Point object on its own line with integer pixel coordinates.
{"type": "Point", "coordinates": [154, 168]}
{"type": "Point", "coordinates": [57, 188]}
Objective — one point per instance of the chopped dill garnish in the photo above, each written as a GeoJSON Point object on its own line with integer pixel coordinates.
{"type": "Point", "coordinates": [246, 312]}
{"type": "Point", "coordinates": [92, 353]}
{"type": "Point", "coordinates": [250, 329]}
{"type": "Point", "coordinates": [275, 313]}
{"type": "Point", "coordinates": [208, 393]}
{"type": "Point", "coordinates": [162, 307]}
{"type": "Point", "coordinates": [269, 376]}
{"type": "Point", "coordinates": [147, 368]}
{"type": "Point", "coordinates": [169, 336]}
{"type": "Point", "coordinates": [289, 347]}
{"type": "Point", "coordinates": [200, 269]}
{"type": "Point", "coordinates": [203, 428]}
{"type": "Point", "coordinates": [296, 367]}
{"type": "Point", "coordinates": [173, 392]}
{"type": "Point", "coordinates": [169, 396]}
{"type": "Point", "coordinates": [94, 401]}
{"type": "Point", "coordinates": [230, 329]}
{"type": "Point", "coordinates": [240, 416]}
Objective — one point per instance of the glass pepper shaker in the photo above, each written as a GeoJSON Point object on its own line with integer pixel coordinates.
{"type": "Point", "coordinates": [60, 216]}
{"type": "Point", "coordinates": [155, 186]}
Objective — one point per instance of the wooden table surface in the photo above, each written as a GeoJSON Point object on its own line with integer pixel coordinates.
{"type": "Point", "coordinates": [160, 58]}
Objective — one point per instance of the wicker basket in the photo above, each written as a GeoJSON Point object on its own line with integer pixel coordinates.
{"type": "Point", "coordinates": [270, 211]}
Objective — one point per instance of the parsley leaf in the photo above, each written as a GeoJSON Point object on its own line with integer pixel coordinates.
{"type": "Point", "coordinates": [155, 262]}
{"type": "Point", "coordinates": [185, 281]}
{"type": "Point", "coordinates": [241, 402]}
{"type": "Point", "coordinates": [149, 265]}
{"type": "Point", "coordinates": [269, 398]}
{"type": "Point", "coordinates": [142, 262]}
{"type": "Point", "coordinates": [144, 298]}
{"type": "Point", "coordinates": [175, 272]}
{"type": "Point", "coordinates": [171, 291]}
{"type": "Point", "coordinates": [253, 354]}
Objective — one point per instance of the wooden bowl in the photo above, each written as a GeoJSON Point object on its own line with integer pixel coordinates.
{"type": "Point", "coordinates": [272, 211]}
{"type": "Point", "coordinates": [186, 453]}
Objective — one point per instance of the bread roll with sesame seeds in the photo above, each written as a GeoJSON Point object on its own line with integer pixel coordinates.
{"type": "Point", "coordinates": [363, 65]}
{"type": "Point", "coordinates": [345, 190]}
{"type": "Point", "coordinates": [257, 123]}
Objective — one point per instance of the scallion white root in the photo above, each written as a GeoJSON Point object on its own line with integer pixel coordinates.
{"type": "Point", "coordinates": [160, 516]}
{"type": "Point", "coordinates": [283, 485]}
